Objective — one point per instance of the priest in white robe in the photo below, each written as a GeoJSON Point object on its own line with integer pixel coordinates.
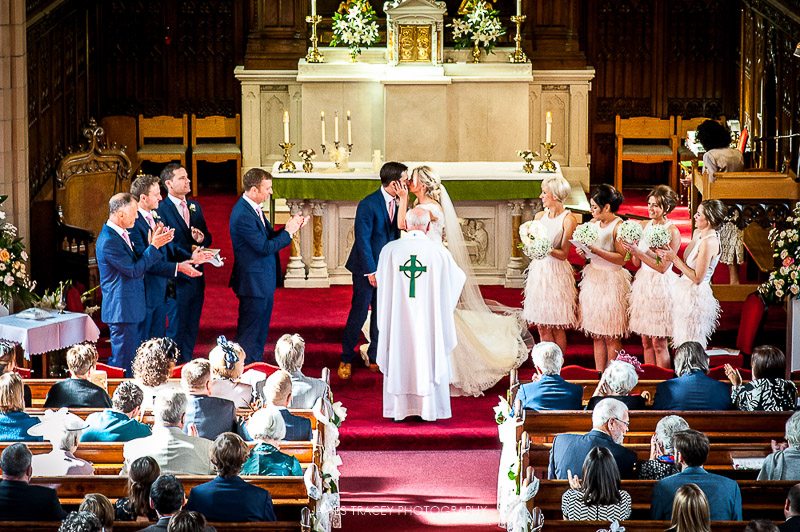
{"type": "Point", "coordinates": [419, 285]}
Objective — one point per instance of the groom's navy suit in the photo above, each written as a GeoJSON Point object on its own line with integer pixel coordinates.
{"type": "Point", "coordinates": [373, 230]}
{"type": "Point", "coordinates": [255, 274]}
{"type": "Point", "coordinates": [186, 304]}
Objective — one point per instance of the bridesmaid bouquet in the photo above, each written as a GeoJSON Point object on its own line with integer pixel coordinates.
{"type": "Point", "coordinates": [630, 232]}
{"type": "Point", "coordinates": [534, 241]}
{"type": "Point", "coordinates": [658, 236]}
{"type": "Point", "coordinates": [586, 234]}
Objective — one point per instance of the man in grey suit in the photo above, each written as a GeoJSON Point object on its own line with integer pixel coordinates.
{"type": "Point", "coordinates": [278, 392]}
{"type": "Point", "coordinates": [211, 416]}
{"type": "Point", "coordinates": [176, 453]}
{"type": "Point", "coordinates": [290, 354]}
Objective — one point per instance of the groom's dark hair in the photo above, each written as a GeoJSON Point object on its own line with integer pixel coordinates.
{"type": "Point", "coordinates": [392, 171]}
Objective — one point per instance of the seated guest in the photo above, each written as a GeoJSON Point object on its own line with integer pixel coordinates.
{"type": "Point", "coordinates": [618, 379]}
{"type": "Point", "coordinates": [610, 422]}
{"type": "Point", "coordinates": [8, 363]}
{"type": "Point", "coordinates": [99, 505]}
{"type": "Point", "coordinates": [662, 452]}
{"type": "Point", "coordinates": [19, 501]}
{"type": "Point", "coordinates": [784, 463]}
{"type": "Point", "coordinates": [596, 496]}
{"type": "Point", "coordinates": [187, 521]}
{"type": "Point", "coordinates": [278, 392]}
{"type": "Point", "coordinates": [791, 511]}
{"type": "Point", "coordinates": [78, 391]}
{"type": "Point", "coordinates": [690, 511]}
{"type": "Point", "coordinates": [290, 350]}
{"type": "Point", "coordinates": [119, 422]}
{"type": "Point", "coordinates": [267, 428]}
{"type": "Point", "coordinates": [692, 389]}
{"type": "Point", "coordinates": [228, 497]}
{"type": "Point", "coordinates": [63, 431]}
{"type": "Point", "coordinates": [167, 499]}
{"type": "Point", "coordinates": [152, 367]}
{"type": "Point", "coordinates": [14, 423]}
{"type": "Point", "coordinates": [136, 506]}
{"type": "Point", "coordinates": [81, 522]}
{"type": "Point", "coordinates": [761, 525]}
{"type": "Point", "coordinates": [768, 390]}
{"type": "Point", "coordinates": [175, 452]}
{"type": "Point", "coordinates": [724, 497]}
{"type": "Point", "coordinates": [227, 365]}
{"type": "Point", "coordinates": [210, 415]}
{"type": "Point", "coordinates": [549, 391]}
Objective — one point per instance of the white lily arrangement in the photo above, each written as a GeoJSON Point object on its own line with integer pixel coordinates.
{"type": "Point", "coordinates": [480, 26]}
{"type": "Point", "coordinates": [355, 25]}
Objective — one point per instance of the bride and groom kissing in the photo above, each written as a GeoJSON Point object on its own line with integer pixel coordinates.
{"type": "Point", "coordinates": [491, 340]}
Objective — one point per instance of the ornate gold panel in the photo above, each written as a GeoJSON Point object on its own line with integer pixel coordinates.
{"type": "Point", "coordinates": [414, 43]}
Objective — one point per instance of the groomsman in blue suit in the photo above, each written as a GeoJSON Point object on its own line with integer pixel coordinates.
{"type": "Point", "coordinates": [255, 261]}
{"type": "Point", "coordinates": [375, 225]}
{"type": "Point", "coordinates": [122, 276]}
{"type": "Point", "coordinates": [185, 302]}
{"type": "Point", "coordinates": [147, 192]}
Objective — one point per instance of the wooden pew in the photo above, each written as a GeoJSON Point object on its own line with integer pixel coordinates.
{"type": "Point", "coordinates": [630, 526]}
{"type": "Point", "coordinates": [44, 526]}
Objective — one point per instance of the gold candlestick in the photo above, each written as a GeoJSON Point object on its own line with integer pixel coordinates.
{"type": "Point", "coordinates": [547, 165]}
{"type": "Point", "coordinates": [313, 55]}
{"type": "Point", "coordinates": [287, 165]}
{"type": "Point", "coordinates": [518, 56]}
{"type": "Point", "coordinates": [307, 155]}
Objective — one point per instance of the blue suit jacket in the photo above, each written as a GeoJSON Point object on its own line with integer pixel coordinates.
{"type": "Point", "coordinates": [692, 391]}
{"type": "Point", "coordinates": [551, 392]}
{"type": "Point", "coordinates": [180, 249]}
{"type": "Point", "coordinates": [156, 277]}
{"type": "Point", "coordinates": [255, 248]}
{"type": "Point", "coordinates": [122, 277]}
{"type": "Point", "coordinates": [724, 497]}
{"type": "Point", "coordinates": [373, 230]}
{"type": "Point", "coordinates": [570, 450]}
{"type": "Point", "coordinates": [297, 428]}
{"type": "Point", "coordinates": [231, 499]}
{"type": "Point", "coordinates": [211, 415]}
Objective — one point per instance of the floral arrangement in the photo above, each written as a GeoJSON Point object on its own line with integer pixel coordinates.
{"type": "Point", "coordinates": [355, 25]}
{"type": "Point", "coordinates": [658, 236]}
{"type": "Point", "coordinates": [13, 272]}
{"type": "Point", "coordinates": [783, 282]}
{"type": "Point", "coordinates": [586, 233]}
{"type": "Point", "coordinates": [630, 232]}
{"type": "Point", "coordinates": [480, 27]}
{"type": "Point", "coordinates": [534, 241]}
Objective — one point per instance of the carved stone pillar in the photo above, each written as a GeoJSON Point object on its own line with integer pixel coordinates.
{"type": "Point", "coordinates": [516, 265]}
{"type": "Point", "coordinates": [296, 269]}
{"type": "Point", "coordinates": [318, 270]}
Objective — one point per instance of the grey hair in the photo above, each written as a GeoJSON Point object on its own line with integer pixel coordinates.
{"type": "Point", "coordinates": [267, 424]}
{"type": "Point", "coordinates": [607, 409]}
{"type": "Point", "coordinates": [418, 218]}
{"type": "Point", "coordinates": [620, 377]}
{"type": "Point", "coordinates": [15, 460]}
{"type": "Point", "coordinates": [793, 430]}
{"type": "Point", "coordinates": [119, 201]}
{"type": "Point", "coordinates": [690, 356]}
{"type": "Point", "coordinates": [169, 406]}
{"type": "Point", "coordinates": [547, 356]}
{"type": "Point", "coordinates": [290, 352]}
{"type": "Point", "coordinates": [666, 427]}
{"type": "Point", "coordinates": [66, 440]}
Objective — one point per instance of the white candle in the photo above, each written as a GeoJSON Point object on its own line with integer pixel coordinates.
{"type": "Point", "coordinates": [336, 126]}
{"type": "Point", "coordinates": [322, 120]}
{"type": "Point", "coordinates": [519, 7]}
{"type": "Point", "coordinates": [314, 8]}
{"type": "Point", "coordinates": [349, 129]}
{"type": "Point", "coordinates": [548, 126]}
{"type": "Point", "coordinates": [286, 127]}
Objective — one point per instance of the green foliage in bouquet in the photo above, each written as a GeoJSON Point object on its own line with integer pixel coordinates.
{"type": "Point", "coordinates": [480, 25]}
{"type": "Point", "coordinates": [783, 282]}
{"type": "Point", "coordinates": [355, 25]}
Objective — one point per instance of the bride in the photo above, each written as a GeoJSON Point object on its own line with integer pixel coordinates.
{"type": "Point", "coordinates": [492, 339]}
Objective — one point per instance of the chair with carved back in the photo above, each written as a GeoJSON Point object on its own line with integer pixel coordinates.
{"type": "Point", "coordinates": [163, 139]}
{"type": "Point", "coordinates": [85, 180]}
{"type": "Point", "coordinates": [646, 140]}
{"type": "Point", "coordinates": [216, 139]}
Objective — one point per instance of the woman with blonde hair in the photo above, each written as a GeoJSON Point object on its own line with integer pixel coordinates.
{"type": "Point", "coordinates": [551, 297]}
{"type": "Point", "coordinates": [227, 365]}
{"type": "Point", "coordinates": [690, 512]}
{"type": "Point", "coordinates": [492, 339]}
{"type": "Point", "coordinates": [14, 422]}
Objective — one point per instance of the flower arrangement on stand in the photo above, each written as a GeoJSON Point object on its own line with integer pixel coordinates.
{"type": "Point", "coordinates": [479, 28]}
{"type": "Point", "coordinates": [15, 283]}
{"type": "Point", "coordinates": [785, 280]}
{"type": "Point", "coordinates": [355, 25]}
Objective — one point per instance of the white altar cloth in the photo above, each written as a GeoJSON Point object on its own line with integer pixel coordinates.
{"type": "Point", "coordinates": [59, 331]}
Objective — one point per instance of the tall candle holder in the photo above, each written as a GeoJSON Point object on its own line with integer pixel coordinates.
{"type": "Point", "coordinates": [313, 55]}
{"type": "Point", "coordinates": [518, 56]}
{"type": "Point", "coordinates": [287, 165]}
{"type": "Point", "coordinates": [547, 165]}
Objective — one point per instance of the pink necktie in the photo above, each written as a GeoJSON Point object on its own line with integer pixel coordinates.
{"type": "Point", "coordinates": [127, 238]}
{"type": "Point", "coordinates": [185, 212]}
{"type": "Point", "coordinates": [391, 210]}
{"type": "Point", "coordinates": [150, 221]}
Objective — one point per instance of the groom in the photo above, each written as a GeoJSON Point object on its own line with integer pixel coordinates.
{"type": "Point", "coordinates": [375, 226]}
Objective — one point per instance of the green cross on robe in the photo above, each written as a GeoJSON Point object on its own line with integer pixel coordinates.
{"type": "Point", "coordinates": [413, 269]}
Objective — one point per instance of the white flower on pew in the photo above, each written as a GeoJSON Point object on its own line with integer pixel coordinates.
{"type": "Point", "coordinates": [330, 470]}
{"type": "Point", "coordinates": [502, 411]}
{"type": "Point", "coordinates": [614, 526]}
{"type": "Point", "coordinates": [519, 518]}
{"type": "Point", "coordinates": [339, 413]}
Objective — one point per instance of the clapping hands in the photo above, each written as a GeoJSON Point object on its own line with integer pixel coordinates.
{"type": "Point", "coordinates": [161, 235]}
{"type": "Point", "coordinates": [296, 222]}
{"type": "Point", "coordinates": [733, 375]}
{"type": "Point", "coordinates": [198, 235]}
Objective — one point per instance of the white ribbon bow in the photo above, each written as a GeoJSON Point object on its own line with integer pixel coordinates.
{"type": "Point", "coordinates": [519, 518]}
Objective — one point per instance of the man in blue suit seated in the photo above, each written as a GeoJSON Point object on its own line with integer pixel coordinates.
{"type": "Point", "coordinates": [724, 497]}
{"type": "Point", "coordinates": [278, 392]}
{"type": "Point", "coordinates": [549, 391]}
{"type": "Point", "coordinates": [692, 389]}
{"type": "Point", "coordinates": [229, 498]}
{"type": "Point", "coordinates": [119, 422]}
{"type": "Point", "coordinates": [122, 276]}
{"type": "Point", "coordinates": [610, 422]}
{"type": "Point", "coordinates": [210, 415]}
{"type": "Point", "coordinates": [255, 261]}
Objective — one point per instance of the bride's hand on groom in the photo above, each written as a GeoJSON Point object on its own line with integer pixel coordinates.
{"type": "Point", "coordinates": [401, 190]}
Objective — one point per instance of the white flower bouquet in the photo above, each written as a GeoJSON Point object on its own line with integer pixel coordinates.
{"type": "Point", "coordinates": [630, 232]}
{"type": "Point", "coordinates": [355, 25]}
{"type": "Point", "coordinates": [586, 233]}
{"type": "Point", "coordinates": [784, 281]}
{"type": "Point", "coordinates": [13, 271]}
{"type": "Point", "coordinates": [534, 241]}
{"type": "Point", "coordinates": [658, 236]}
{"type": "Point", "coordinates": [480, 27]}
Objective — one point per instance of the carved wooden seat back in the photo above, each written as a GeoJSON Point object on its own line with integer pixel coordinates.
{"type": "Point", "coordinates": [217, 139]}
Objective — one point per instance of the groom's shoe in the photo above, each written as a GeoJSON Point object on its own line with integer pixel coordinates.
{"type": "Point", "coordinates": [345, 370]}
{"type": "Point", "coordinates": [373, 367]}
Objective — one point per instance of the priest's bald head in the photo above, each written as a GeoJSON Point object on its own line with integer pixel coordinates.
{"type": "Point", "coordinates": [418, 219]}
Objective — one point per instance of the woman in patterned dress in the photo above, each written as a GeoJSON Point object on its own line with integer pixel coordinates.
{"type": "Point", "coordinates": [597, 496]}
{"type": "Point", "coordinates": [768, 391]}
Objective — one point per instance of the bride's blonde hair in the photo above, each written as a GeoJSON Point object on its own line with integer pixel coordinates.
{"type": "Point", "coordinates": [430, 180]}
